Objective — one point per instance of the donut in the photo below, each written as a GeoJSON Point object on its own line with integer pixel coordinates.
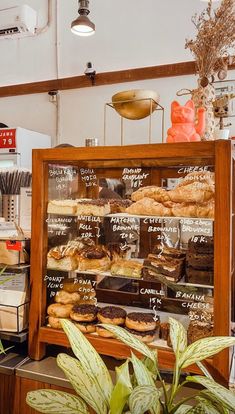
{"type": "Point", "coordinates": [146, 337]}
{"type": "Point", "coordinates": [112, 314]}
{"type": "Point", "coordinates": [54, 322]}
{"type": "Point", "coordinates": [65, 297]}
{"type": "Point", "coordinates": [103, 332]}
{"type": "Point", "coordinates": [141, 322]}
{"type": "Point", "coordinates": [59, 311]}
{"type": "Point", "coordinates": [83, 313]}
{"type": "Point", "coordinates": [86, 327]}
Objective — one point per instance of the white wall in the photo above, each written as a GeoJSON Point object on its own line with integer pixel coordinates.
{"type": "Point", "coordinates": [133, 33]}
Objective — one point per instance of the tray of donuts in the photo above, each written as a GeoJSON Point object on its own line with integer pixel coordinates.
{"type": "Point", "coordinates": [89, 319]}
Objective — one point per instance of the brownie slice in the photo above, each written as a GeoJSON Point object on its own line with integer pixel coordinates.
{"type": "Point", "coordinates": [201, 244]}
{"type": "Point", "coordinates": [198, 330]}
{"type": "Point", "coordinates": [171, 268]}
{"type": "Point", "coordinates": [199, 276]}
{"type": "Point", "coordinates": [169, 252]}
{"type": "Point", "coordinates": [200, 261]}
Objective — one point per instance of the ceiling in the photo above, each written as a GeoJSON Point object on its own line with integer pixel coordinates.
{"type": "Point", "coordinates": [129, 34]}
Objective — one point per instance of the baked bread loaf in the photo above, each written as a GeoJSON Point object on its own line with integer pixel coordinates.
{"type": "Point", "coordinates": [99, 207]}
{"type": "Point", "coordinates": [128, 268]}
{"type": "Point", "coordinates": [149, 207]}
{"type": "Point", "coordinates": [141, 321]}
{"type": "Point", "coordinates": [156, 193]}
{"type": "Point", "coordinates": [59, 311]}
{"type": "Point", "coordinates": [198, 330]}
{"type": "Point", "coordinates": [112, 314]}
{"type": "Point", "coordinates": [64, 297]}
{"type": "Point", "coordinates": [63, 207]}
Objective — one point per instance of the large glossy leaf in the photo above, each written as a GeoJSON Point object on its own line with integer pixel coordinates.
{"type": "Point", "coordinates": [150, 365]}
{"type": "Point", "coordinates": [208, 406]}
{"type": "Point", "coordinates": [83, 382]}
{"type": "Point", "coordinates": [142, 399]}
{"type": "Point", "coordinates": [145, 377]}
{"type": "Point", "coordinates": [220, 392]}
{"type": "Point", "coordinates": [204, 369]}
{"type": "Point", "coordinates": [131, 341]}
{"type": "Point", "coordinates": [214, 400]}
{"type": "Point", "coordinates": [178, 336]}
{"type": "Point", "coordinates": [56, 402]}
{"type": "Point", "coordinates": [89, 358]}
{"type": "Point", "coordinates": [183, 409]}
{"type": "Point", "coordinates": [204, 348]}
{"type": "Point", "coordinates": [122, 389]}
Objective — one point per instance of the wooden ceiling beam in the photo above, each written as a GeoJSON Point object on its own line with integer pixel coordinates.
{"type": "Point", "coordinates": [105, 78]}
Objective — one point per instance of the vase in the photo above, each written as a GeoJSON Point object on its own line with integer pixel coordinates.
{"type": "Point", "coordinates": [204, 97]}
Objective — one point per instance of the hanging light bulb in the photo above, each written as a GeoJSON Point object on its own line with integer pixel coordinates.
{"type": "Point", "coordinates": [82, 25]}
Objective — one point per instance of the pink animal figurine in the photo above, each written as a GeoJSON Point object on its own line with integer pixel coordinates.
{"type": "Point", "coordinates": [183, 127]}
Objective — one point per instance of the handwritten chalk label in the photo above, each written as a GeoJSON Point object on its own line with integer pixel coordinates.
{"type": "Point", "coordinates": [88, 227]}
{"type": "Point", "coordinates": [60, 226]}
{"type": "Point", "coordinates": [191, 169]}
{"type": "Point", "coordinates": [62, 176]}
{"type": "Point", "coordinates": [196, 226]}
{"type": "Point", "coordinates": [88, 176]}
{"type": "Point", "coordinates": [127, 227]}
{"type": "Point", "coordinates": [193, 301]}
{"type": "Point", "coordinates": [54, 283]}
{"type": "Point", "coordinates": [135, 175]}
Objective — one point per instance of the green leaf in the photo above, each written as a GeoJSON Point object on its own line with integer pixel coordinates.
{"type": "Point", "coordinates": [183, 409]}
{"type": "Point", "coordinates": [122, 389]}
{"type": "Point", "coordinates": [131, 341]}
{"type": "Point", "coordinates": [145, 377]}
{"type": "Point", "coordinates": [204, 348]}
{"type": "Point", "coordinates": [89, 358]}
{"type": "Point", "coordinates": [214, 400]}
{"type": "Point", "coordinates": [208, 406]}
{"type": "Point", "coordinates": [150, 365]}
{"type": "Point", "coordinates": [142, 399]}
{"type": "Point", "coordinates": [204, 369]}
{"type": "Point", "coordinates": [83, 382]}
{"type": "Point", "coordinates": [220, 392]}
{"type": "Point", "coordinates": [178, 336]}
{"type": "Point", "coordinates": [56, 402]}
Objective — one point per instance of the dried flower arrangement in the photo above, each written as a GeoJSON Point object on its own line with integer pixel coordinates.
{"type": "Point", "coordinates": [215, 40]}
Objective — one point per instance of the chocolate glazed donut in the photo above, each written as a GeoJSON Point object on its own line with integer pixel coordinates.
{"type": "Point", "coordinates": [112, 314]}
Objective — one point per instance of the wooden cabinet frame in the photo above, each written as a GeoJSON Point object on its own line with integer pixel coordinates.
{"type": "Point", "coordinates": [220, 154]}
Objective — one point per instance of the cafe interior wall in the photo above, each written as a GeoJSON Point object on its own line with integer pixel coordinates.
{"type": "Point", "coordinates": [129, 34]}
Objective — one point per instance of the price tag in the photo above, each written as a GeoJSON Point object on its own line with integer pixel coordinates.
{"type": "Point", "coordinates": [14, 245]}
{"type": "Point", "coordinates": [8, 138]}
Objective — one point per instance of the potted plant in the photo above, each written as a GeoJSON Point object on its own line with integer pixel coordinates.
{"type": "Point", "coordinates": [135, 393]}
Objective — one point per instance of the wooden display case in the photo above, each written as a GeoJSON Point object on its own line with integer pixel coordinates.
{"type": "Point", "coordinates": [70, 173]}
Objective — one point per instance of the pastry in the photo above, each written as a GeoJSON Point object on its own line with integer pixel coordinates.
{"type": "Point", "coordinates": [94, 258]}
{"type": "Point", "coordinates": [207, 177]}
{"type": "Point", "coordinates": [196, 192]}
{"type": "Point", "coordinates": [65, 257]}
{"type": "Point", "coordinates": [171, 268]}
{"type": "Point", "coordinates": [199, 276]}
{"type": "Point", "coordinates": [149, 207]}
{"type": "Point", "coordinates": [119, 206]}
{"type": "Point", "coordinates": [99, 207]}
{"type": "Point", "coordinates": [184, 210]}
{"type": "Point", "coordinates": [83, 313]}
{"type": "Point", "coordinates": [86, 327]}
{"type": "Point", "coordinates": [112, 314]}
{"type": "Point", "coordinates": [201, 244]}
{"type": "Point", "coordinates": [164, 330]}
{"type": "Point", "coordinates": [198, 330]}
{"type": "Point", "coordinates": [169, 252]}
{"type": "Point", "coordinates": [64, 297]}
{"type": "Point", "coordinates": [66, 207]}
{"type": "Point", "coordinates": [200, 261]}
{"type": "Point", "coordinates": [147, 336]}
{"type": "Point", "coordinates": [54, 322]}
{"type": "Point", "coordinates": [118, 252]}
{"type": "Point", "coordinates": [152, 191]}
{"type": "Point", "coordinates": [128, 268]}
{"type": "Point", "coordinates": [59, 311]}
{"type": "Point", "coordinates": [140, 321]}
{"type": "Point", "coordinates": [104, 332]}
{"type": "Point", "coordinates": [206, 210]}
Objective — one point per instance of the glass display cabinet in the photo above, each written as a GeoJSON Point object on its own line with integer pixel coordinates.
{"type": "Point", "coordinates": [144, 228]}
